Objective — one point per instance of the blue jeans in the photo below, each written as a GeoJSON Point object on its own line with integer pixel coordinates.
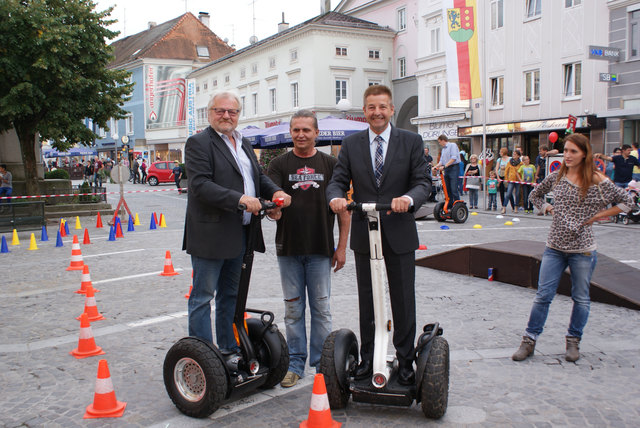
{"type": "Point", "coordinates": [553, 264]}
{"type": "Point", "coordinates": [513, 195]}
{"type": "Point", "coordinates": [473, 197]}
{"type": "Point", "coordinates": [451, 181]}
{"type": "Point", "coordinates": [623, 185]}
{"type": "Point", "coordinates": [5, 191]}
{"type": "Point", "coordinates": [493, 201]}
{"type": "Point", "coordinates": [526, 191]}
{"type": "Point", "coordinates": [218, 277]}
{"type": "Point", "coordinates": [301, 275]}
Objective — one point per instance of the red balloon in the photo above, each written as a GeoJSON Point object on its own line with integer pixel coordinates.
{"type": "Point", "coordinates": [553, 137]}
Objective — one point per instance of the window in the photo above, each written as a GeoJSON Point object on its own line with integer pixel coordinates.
{"type": "Point", "coordinates": [205, 85]}
{"type": "Point", "coordinates": [227, 79]}
{"type": "Point", "coordinates": [532, 86]}
{"type": "Point", "coordinates": [203, 51]}
{"type": "Point", "coordinates": [254, 101]}
{"type": "Point", "coordinates": [435, 40]}
{"type": "Point", "coordinates": [254, 68]}
{"type": "Point", "coordinates": [294, 95]}
{"type": "Point", "coordinates": [293, 55]}
{"type": "Point", "coordinates": [341, 51]}
{"type": "Point", "coordinates": [243, 73]}
{"type": "Point", "coordinates": [128, 124]}
{"type": "Point", "coordinates": [272, 62]}
{"type": "Point", "coordinates": [201, 115]}
{"type": "Point", "coordinates": [402, 67]}
{"type": "Point", "coordinates": [214, 83]}
{"type": "Point", "coordinates": [571, 3]}
{"type": "Point", "coordinates": [374, 54]}
{"type": "Point", "coordinates": [272, 99]}
{"type": "Point", "coordinates": [572, 79]}
{"type": "Point", "coordinates": [533, 8]}
{"type": "Point", "coordinates": [102, 133]}
{"type": "Point", "coordinates": [242, 105]}
{"type": "Point", "coordinates": [497, 14]}
{"type": "Point", "coordinates": [634, 34]}
{"type": "Point", "coordinates": [402, 19]}
{"type": "Point", "coordinates": [197, 87]}
{"type": "Point", "coordinates": [374, 82]}
{"type": "Point", "coordinates": [341, 90]}
{"type": "Point", "coordinates": [113, 127]}
{"type": "Point", "coordinates": [436, 100]}
{"type": "Point", "coordinates": [497, 91]}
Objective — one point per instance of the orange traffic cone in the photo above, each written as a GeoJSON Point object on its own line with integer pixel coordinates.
{"type": "Point", "coordinates": [86, 239]}
{"type": "Point", "coordinates": [186, 296]}
{"type": "Point", "coordinates": [90, 307]}
{"type": "Point", "coordinates": [119, 230]}
{"type": "Point", "coordinates": [76, 255]}
{"type": "Point", "coordinates": [85, 282]}
{"type": "Point", "coordinates": [104, 404]}
{"type": "Point", "coordinates": [168, 266]}
{"type": "Point", "coordinates": [86, 343]}
{"type": "Point", "coordinates": [99, 221]}
{"type": "Point", "coordinates": [319, 412]}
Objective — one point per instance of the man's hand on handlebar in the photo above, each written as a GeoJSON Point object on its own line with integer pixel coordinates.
{"type": "Point", "coordinates": [253, 205]}
{"type": "Point", "coordinates": [282, 195]}
{"type": "Point", "coordinates": [400, 205]}
{"type": "Point", "coordinates": [338, 205]}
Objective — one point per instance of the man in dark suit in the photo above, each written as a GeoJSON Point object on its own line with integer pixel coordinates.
{"type": "Point", "coordinates": [222, 172]}
{"type": "Point", "coordinates": [386, 165]}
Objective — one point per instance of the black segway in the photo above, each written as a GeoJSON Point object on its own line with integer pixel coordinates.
{"type": "Point", "coordinates": [340, 350]}
{"type": "Point", "coordinates": [446, 210]}
{"type": "Point", "coordinates": [198, 377]}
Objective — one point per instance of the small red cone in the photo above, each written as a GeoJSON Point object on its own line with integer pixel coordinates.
{"type": "Point", "coordinates": [104, 404]}
{"type": "Point", "coordinates": [86, 239]}
{"type": "Point", "coordinates": [155, 218]}
{"type": "Point", "coordinates": [319, 411]}
{"type": "Point", "coordinates": [86, 281]}
{"type": "Point", "coordinates": [168, 266]}
{"type": "Point", "coordinates": [76, 255]}
{"type": "Point", "coordinates": [99, 221]}
{"type": "Point", "coordinates": [63, 232]}
{"type": "Point", "coordinates": [186, 296]}
{"type": "Point", "coordinates": [119, 230]}
{"type": "Point", "coordinates": [86, 343]}
{"type": "Point", "coordinates": [90, 307]}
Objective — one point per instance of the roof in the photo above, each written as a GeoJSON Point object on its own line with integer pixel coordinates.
{"type": "Point", "coordinates": [330, 19]}
{"type": "Point", "coordinates": [174, 39]}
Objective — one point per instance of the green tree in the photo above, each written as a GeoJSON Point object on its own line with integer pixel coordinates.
{"type": "Point", "coordinates": [53, 74]}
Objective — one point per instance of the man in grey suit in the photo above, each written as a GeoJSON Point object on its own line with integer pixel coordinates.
{"type": "Point", "coordinates": [222, 172]}
{"type": "Point", "coordinates": [385, 165]}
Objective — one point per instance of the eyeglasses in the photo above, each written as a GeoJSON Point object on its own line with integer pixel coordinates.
{"type": "Point", "coordinates": [221, 111]}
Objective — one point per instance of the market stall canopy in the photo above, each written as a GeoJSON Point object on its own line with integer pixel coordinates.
{"type": "Point", "coordinates": [75, 151]}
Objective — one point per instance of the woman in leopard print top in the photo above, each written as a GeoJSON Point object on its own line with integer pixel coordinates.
{"type": "Point", "coordinates": [580, 197]}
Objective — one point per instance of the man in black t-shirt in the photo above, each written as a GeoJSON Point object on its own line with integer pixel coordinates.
{"type": "Point", "coordinates": [304, 242]}
{"type": "Point", "coordinates": [623, 166]}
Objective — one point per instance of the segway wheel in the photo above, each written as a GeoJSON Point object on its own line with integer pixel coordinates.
{"type": "Point", "coordinates": [195, 377]}
{"type": "Point", "coordinates": [437, 211]}
{"type": "Point", "coordinates": [434, 391]}
{"type": "Point", "coordinates": [460, 213]}
{"type": "Point", "coordinates": [272, 351]}
{"type": "Point", "coordinates": [339, 359]}
{"type": "Point", "coordinates": [625, 220]}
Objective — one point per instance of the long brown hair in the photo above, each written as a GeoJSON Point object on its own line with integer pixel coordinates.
{"type": "Point", "coordinates": [587, 168]}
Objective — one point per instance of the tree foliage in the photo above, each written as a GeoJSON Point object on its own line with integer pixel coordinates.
{"type": "Point", "coordinates": [53, 73]}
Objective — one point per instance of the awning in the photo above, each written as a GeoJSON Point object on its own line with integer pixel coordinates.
{"type": "Point", "coordinates": [75, 151]}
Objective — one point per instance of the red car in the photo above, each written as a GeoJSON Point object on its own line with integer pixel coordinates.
{"type": "Point", "coordinates": [160, 172]}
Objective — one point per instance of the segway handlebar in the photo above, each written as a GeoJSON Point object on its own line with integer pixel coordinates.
{"type": "Point", "coordinates": [266, 205]}
{"type": "Point", "coordinates": [371, 207]}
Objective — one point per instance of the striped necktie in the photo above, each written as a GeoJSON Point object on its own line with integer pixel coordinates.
{"type": "Point", "coordinates": [379, 161]}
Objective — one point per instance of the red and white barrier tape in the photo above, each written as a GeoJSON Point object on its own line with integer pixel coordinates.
{"type": "Point", "coordinates": [89, 194]}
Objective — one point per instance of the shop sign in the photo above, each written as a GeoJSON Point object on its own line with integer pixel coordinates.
{"type": "Point", "coordinates": [435, 129]}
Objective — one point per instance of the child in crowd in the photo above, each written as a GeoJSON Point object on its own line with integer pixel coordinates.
{"type": "Point", "coordinates": [512, 176]}
{"type": "Point", "coordinates": [472, 175]}
{"type": "Point", "coordinates": [492, 190]}
{"type": "Point", "coordinates": [528, 174]}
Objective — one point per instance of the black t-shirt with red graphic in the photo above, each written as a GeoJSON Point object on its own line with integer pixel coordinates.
{"type": "Point", "coordinates": [306, 226]}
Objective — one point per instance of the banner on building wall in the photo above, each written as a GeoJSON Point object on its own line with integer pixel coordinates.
{"type": "Point", "coordinates": [191, 107]}
{"type": "Point", "coordinates": [461, 47]}
{"type": "Point", "coordinates": [165, 95]}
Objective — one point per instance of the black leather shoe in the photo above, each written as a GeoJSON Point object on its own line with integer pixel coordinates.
{"type": "Point", "coordinates": [406, 375]}
{"type": "Point", "coordinates": [364, 370]}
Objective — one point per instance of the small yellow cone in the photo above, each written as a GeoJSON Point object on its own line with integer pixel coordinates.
{"type": "Point", "coordinates": [477, 226]}
{"type": "Point", "coordinates": [508, 223]}
{"type": "Point", "coordinates": [15, 240]}
{"type": "Point", "coordinates": [32, 244]}
{"type": "Point", "coordinates": [162, 221]}
{"type": "Point", "coordinates": [78, 225]}
{"type": "Point", "coordinates": [474, 213]}
{"type": "Point", "coordinates": [136, 222]}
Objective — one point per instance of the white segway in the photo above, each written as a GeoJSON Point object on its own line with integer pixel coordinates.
{"type": "Point", "coordinates": [340, 351]}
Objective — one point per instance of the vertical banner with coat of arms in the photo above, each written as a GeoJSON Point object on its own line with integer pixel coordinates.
{"type": "Point", "coordinates": [461, 47]}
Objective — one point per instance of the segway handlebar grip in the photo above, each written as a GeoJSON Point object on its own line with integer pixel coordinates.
{"type": "Point", "coordinates": [266, 205]}
{"type": "Point", "coordinates": [371, 206]}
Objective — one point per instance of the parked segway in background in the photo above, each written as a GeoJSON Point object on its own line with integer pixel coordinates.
{"type": "Point", "coordinates": [446, 210]}
{"type": "Point", "coordinates": [340, 351]}
{"type": "Point", "coordinates": [198, 377]}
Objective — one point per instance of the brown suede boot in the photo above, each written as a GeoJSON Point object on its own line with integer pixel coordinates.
{"type": "Point", "coordinates": [526, 349]}
{"type": "Point", "coordinates": [573, 349]}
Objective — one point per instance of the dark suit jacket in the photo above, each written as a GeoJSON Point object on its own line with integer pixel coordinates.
{"type": "Point", "coordinates": [404, 173]}
{"type": "Point", "coordinates": [213, 225]}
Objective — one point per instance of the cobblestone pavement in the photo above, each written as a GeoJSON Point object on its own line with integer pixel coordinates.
{"type": "Point", "coordinates": [42, 385]}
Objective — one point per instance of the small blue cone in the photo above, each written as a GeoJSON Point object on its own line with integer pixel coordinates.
{"type": "Point", "coordinates": [66, 227]}
{"type": "Point", "coordinates": [152, 226]}
{"type": "Point", "coordinates": [130, 227]}
{"type": "Point", "coordinates": [59, 240]}
{"type": "Point", "coordinates": [112, 233]}
{"type": "Point", "coordinates": [43, 235]}
{"type": "Point", "coordinates": [4, 248]}
{"type": "Point", "coordinates": [444, 227]}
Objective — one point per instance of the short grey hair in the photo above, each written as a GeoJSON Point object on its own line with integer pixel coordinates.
{"type": "Point", "coordinates": [305, 113]}
{"type": "Point", "coordinates": [224, 94]}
